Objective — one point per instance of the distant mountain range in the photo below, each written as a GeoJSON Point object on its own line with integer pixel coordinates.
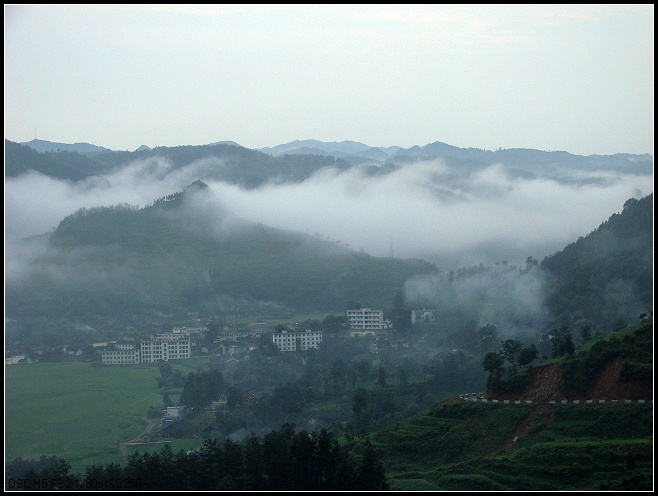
{"type": "Point", "coordinates": [356, 152]}
{"type": "Point", "coordinates": [343, 149]}
{"type": "Point", "coordinates": [297, 160]}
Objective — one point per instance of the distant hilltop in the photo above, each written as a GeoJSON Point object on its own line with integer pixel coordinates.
{"type": "Point", "coordinates": [49, 146]}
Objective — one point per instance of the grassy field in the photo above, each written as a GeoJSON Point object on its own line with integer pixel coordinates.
{"type": "Point", "coordinates": [75, 411]}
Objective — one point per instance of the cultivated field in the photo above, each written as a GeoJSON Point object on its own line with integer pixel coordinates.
{"type": "Point", "coordinates": [75, 411]}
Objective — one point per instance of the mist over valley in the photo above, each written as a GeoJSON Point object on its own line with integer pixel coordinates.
{"type": "Point", "coordinates": [450, 206]}
{"type": "Point", "coordinates": [453, 229]}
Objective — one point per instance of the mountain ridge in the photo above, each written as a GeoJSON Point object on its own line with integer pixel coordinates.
{"type": "Point", "coordinates": [51, 146]}
{"type": "Point", "coordinates": [252, 168]}
{"type": "Point", "coordinates": [344, 148]}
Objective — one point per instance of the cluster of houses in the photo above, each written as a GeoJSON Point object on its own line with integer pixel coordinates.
{"type": "Point", "coordinates": [369, 324]}
{"type": "Point", "coordinates": [239, 338]}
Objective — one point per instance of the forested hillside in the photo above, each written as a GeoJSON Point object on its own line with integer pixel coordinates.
{"type": "Point", "coordinates": [61, 165]}
{"type": "Point", "coordinates": [608, 274]}
{"type": "Point", "coordinates": [132, 263]}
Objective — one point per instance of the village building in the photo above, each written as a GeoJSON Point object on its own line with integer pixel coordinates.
{"type": "Point", "coordinates": [367, 319]}
{"type": "Point", "coordinates": [124, 356]}
{"type": "Point", "coordinates": [261, 328]}
{"type": "Point", "coordinates": [297, 340]}
{"type": "Point", "coordinates": [166, 346]}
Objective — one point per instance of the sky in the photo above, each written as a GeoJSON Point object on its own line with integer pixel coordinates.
{"type": "Point", "coordinates": [578, 78]}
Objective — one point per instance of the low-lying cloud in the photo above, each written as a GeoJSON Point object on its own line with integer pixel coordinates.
{"type": "Point", "coordinates": [424, 210]}
{"type": "Point", "coordinates": [507, 296]}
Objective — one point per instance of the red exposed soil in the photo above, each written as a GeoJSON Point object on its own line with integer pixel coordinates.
{"type": "Point", "coordinates": [546, 382]}
{"type": "Point", "coordinates": [609, 387]}
{"type": "Point", "coordinates": [546, 387]}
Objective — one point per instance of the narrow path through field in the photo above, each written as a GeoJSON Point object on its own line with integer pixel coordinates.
{"type": "Point", "coordinates": [151, 424]}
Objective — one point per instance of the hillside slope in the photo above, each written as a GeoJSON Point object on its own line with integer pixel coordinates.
{"type": "Point", "coordinates": [615, 366]}
{"type": "Point", "coordinates": [543, 445]}
{"type": "Point", "coordinates": [608, 274]}
{"type": "Point", "coordinates": [124, 264]}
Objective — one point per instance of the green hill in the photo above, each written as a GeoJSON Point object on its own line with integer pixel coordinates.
{"type": "Point", "coordinates": [68, 165]}
{"type": "Point", "coordinates": [538, 446]}
{"type": "Point", "coordinates": [608, 274]}
{"type": "Point", "coordinates": [120, 262]}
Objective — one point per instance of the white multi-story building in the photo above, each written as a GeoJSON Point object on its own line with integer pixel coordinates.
{"type": "Point", "coordinates": [367, 319]}
{"type": "Point", "coordinates": [120, 356]}
{"type": "Point", "coordinates": [294, 340]}
{"type": "Point", "coordinates": [166, 346]}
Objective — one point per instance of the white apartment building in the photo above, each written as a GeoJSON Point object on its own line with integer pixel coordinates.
{"type": "Point", "coordinates": [120, 356]}
{"type": "Point", "coordinates": [367, 319]}
{"type": "Point", "coordinates": [289, 340]}
{"type": "Point", "coordinates": [166, 346]}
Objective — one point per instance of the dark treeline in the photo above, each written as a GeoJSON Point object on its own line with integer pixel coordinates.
{"type": "Point", "coordinates": [281, 460]}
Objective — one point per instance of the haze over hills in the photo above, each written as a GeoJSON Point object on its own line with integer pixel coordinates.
{"type": "Point", "coordinates": [180, 255]}
{"type": "Point", "coordinates": [187, 251]}
{"type": "Point", "coordinates": [447, 205]}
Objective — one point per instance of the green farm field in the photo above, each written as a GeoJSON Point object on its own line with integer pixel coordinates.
{"type": "Point", "coordinates": [75, 411]}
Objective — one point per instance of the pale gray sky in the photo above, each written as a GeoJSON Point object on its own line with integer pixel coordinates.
{"type": "Point", "coordinates": [551, 77]}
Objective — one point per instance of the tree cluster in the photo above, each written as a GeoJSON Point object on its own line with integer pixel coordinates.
{"type": "Point", "coordinates": [561, 342]}
{"type": "Point", "coordinates": [281, 461]}
{"type": "Point", "coordinates": [510, 379]}
{"type": "Point", "coordinates": [201, 388]}
{"type": "Point", "coordinates": [170, 377]}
